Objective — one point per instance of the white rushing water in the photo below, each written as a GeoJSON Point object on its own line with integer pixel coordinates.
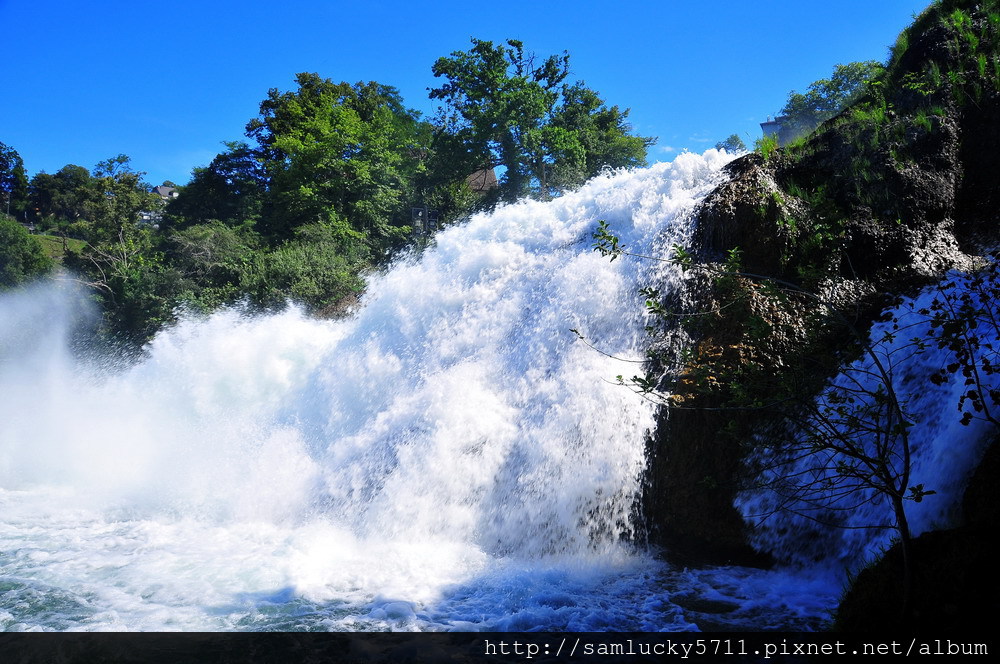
{"type": "Point", "coordinates": [449, 457]}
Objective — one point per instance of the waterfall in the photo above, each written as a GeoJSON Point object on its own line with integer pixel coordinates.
{"type": "Point", "coordinates": [448, 457]}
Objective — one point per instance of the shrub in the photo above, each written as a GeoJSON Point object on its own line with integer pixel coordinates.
{"type": "Point", "coordinates": [22, 258]}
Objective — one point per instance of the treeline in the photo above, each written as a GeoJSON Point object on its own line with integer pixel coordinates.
{"type": "Point", "coordinates": [321, 190]}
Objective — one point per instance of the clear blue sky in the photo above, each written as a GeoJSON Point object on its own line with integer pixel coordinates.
{"type": "Point", "coordinates": [167, 83]}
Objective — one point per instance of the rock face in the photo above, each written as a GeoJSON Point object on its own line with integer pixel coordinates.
{"type": "Point", "coordinates": [879, 201]}
{"type": "Point", "coordinates": [693, 477]}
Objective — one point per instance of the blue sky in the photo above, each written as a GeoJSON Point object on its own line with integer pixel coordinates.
{"type": "Point", "coordinates": [168, 83]}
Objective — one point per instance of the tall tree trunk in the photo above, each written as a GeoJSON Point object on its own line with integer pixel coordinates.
{"type": "Point", "coordinates": [905, 545]}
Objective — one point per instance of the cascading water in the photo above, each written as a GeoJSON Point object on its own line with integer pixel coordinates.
{"type": "Point", "coordinates": [447, 458]}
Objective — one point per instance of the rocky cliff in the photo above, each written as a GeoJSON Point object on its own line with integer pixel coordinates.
{"type": "Point", "coordinates": [878, 202]}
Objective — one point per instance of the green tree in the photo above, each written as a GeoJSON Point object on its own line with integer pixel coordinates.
{"type": "Point", "coordinates": [733, 144]}
{"type": "Point", "coordinates": [826, 97]}
{"type": "Point", "coordinates": [317, 267]}
{"type": "Point", "coordinates": [120, 197]}
{"type": "Point", "coordinates": [13, 183]}
{"type": "Point", "coordinates": [231, 189]}
{"type": "Point", "coordinates": [496, 103]}
{"type": "Point", "coordinates": [504, 109]}
{"type": "Point", "coordinates": [21, 257]}
{"type": "Point", "coordinates": [120, 260]}
{"type": "Point", "coordinates": [63, 198]}
{"type": "Point", "coordinates": [339, 154]}
{"type": "Point", "coordinates": [214, 261]}
{"type": "Point", "coordinates": [593, 137]}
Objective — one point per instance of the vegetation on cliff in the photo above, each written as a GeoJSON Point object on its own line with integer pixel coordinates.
{"type": "Point", "coordinates": [796, 256]}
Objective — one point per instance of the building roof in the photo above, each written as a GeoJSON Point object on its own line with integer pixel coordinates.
{"type": "Point", "coordinates": [482, 180]}
{"type": "Point", "coordinates": [165, 192]}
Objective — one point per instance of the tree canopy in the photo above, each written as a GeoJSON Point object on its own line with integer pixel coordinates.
{"type": "Point", "coordinates": [325, 186]}
{"type": "Point", "coordinates": [828, 96]}
{"type": "Point", "coordinates": [733, 144]}
{"type": "Point", "coordinates": [231, 189]}
{"type": "Point", "coordinates": [21, 257]}
{"type": "Point", "coordinates": [338, 153]}
{"type": "Point", "coordinates": [504, 108]}
{"type": "Point", "coordinates": [63, 195]}
{"type": "Point", "coordinates": [13, 182]}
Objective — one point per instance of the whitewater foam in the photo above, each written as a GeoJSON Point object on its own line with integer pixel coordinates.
{"type": "Point", "coordinates": [447, 458]}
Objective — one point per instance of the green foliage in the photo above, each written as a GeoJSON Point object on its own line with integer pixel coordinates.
{"type": "Point", "coordinates": [900, 47]}
{"type": "Point", "coordinates": [586, 137]}
{"type": "Point", "coordinates": [969, 67]}
{"type": "Point", "coordinates": [13, 183]}
{"type": "Point", "coordinates": [766, 146]}
{"type": "Point", "coordinates": [21, 257]}
{"type": "Point", "coordinates": [120, 197]}
{"type": "Point", "coordinates": [496, 103]}
{"type": "Point", "coordinates": [505, 111]}
{"type": "Point", "coordinates": [923, 120]}
{"type": "Point", "coordinates": [118, 258]}
{"type": "Point", "coordinates": [607, 243]}
{"type": "Point", "coordinates": [925, 83]}
{"type": "Point", "coordinates": [62, 199]}
{"type": "Point", "coordinates": [870, 115]}
{"type": "Point", "coordinates": [349, 150]}
{"type": "Point", "coordinates": [733, 144]}
{"type": "Point", "coordinates": [826, 97]}
{"type": "Point", "coordinates": [214, 262]}
{"type": "Point", "coordinates": [231, 189]}
{"type": "Point", "coordinates": [681, 257]}
{"type": "Point", "coordinates": [320, 266]}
